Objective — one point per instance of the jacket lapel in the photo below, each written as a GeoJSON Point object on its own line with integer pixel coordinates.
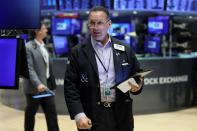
{"type": "Point", "coordinates": [36, 48]}
{"type": "Point", "coordinates": [117, 62]}
{"type": "Point", "coordinates": [89, 52]}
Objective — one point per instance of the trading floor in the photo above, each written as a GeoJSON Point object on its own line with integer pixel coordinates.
{"type": "Point", "coordinates": [183, 120]}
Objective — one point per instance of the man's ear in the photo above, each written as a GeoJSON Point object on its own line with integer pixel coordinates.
{"type": "Point", "coordinates": [110, 23]}
{"type": "Point", "coordinates": [36, 31]}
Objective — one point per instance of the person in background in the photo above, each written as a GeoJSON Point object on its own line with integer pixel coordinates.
{"type": "Point", "coordinates": [94, 69]}
{"type": "Point", "coordinates": [41, 81]}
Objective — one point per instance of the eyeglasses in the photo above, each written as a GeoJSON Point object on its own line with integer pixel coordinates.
{"type": "Point", "coordinates": [93, 24]}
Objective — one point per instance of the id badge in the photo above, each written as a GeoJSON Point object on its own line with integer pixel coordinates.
{"type": "Point", "coordinates": [107, 91]}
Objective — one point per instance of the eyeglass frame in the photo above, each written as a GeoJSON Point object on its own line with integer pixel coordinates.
{"type": "Point", "coordinates": [102, 23]}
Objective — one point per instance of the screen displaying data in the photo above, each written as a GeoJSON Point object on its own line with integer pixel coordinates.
{"type": "Point", "coordinates": [182, 5]}
{"type": "Point", "coordinates": [83, 4]}
{"type": "Point", "coordinates": [141, 5]}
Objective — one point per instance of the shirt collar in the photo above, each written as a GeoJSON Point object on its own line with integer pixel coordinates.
{"type": "Point", "coordinates": [96, 43]}
{"type": "Point", "coordinates": [38, 43]}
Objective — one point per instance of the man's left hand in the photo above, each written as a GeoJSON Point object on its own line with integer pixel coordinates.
{"type": "Point", "coordinates": [136, 88]}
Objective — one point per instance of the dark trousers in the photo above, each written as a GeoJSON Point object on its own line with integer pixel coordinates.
{"type": "Point", "coordinates": [105, 120]}
{"type": "Point", "coordinates": [48, 106]}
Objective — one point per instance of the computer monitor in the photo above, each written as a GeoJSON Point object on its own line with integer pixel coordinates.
{"type": "Point", "coordinates": [187, 6]}
{"type": "Point", "coordinates": [83, 4]}
{"type": "Point", "coordinates": [48, 5]}
{"type": "Point", "coordinates": [158, 25]}
{"type": "Point", "coordinates": [120, 30]}
{"type": "Point", "coordinates": [71, 4]}
{"type": "Point", "coordinates": [66, 26]}
{"type": "Point", "coordinates": [152, 44]}
{"type": "Point", "coordinates": [19, 14]}
{"type": "Point", "coordinates": [139, 5]}
{"type": "Point", "coordinates": [9, 50]}
{"type": "Point", "coordinates": [60, 44]}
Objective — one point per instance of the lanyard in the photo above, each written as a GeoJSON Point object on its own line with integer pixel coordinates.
{"type": "Point", "coordinates": [106, 70]}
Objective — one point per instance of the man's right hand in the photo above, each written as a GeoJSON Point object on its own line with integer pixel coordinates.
{"type": "Point", "coordinates": [41, 88]}
{"type": "Point", "coordinates": [84, 123]}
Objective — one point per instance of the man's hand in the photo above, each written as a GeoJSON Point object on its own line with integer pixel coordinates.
{"type": "Point", "coordinates": [84, 123]}
{"type": "Point", "coordinates": [41, 88]}
{"type": "Point", "coordinates": [136, 87]}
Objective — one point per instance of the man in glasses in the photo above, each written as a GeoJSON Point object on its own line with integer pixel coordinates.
{"type": "Point", "coordinates": [94, 69]}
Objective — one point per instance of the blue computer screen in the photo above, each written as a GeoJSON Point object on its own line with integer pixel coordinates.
{"type": "Point", "coordinates": [146, 5]}
{"type": "Point", "coordinates": [65, 26]}
{"type": "Point", "coordinates": [19, 14]}
{"type": "Point", "coordinates": [158, 25]}
{"type": "Point", "coordinates": [48, 5]}
{"type": "Point", "coordinates": [8, 60]}
{"type": "Point", "coordinates": [120, 30]}
{"type": "Point", "coordinates": [182, 5]}
{"type": "Point", "coordinates": [71, 4]}
{"type": "Point", "coordinates": [60, 45]}
{"type": "Point", "coordinates": [152, 44]}
{"type": "Point", "coordinates": [83, 4]}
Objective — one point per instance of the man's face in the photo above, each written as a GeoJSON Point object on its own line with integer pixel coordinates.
{"type": "Point", "coordinates": [43, 31]}
{"type": "Point", "coordinates": [98, 25]}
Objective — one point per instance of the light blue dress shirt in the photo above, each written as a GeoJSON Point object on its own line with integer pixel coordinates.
{"type": "Point", "coordinates": [106, 73]}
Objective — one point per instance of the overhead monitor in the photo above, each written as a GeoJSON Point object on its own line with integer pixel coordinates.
{"type": "Point", "coordinates": [187, 6]}
{"type": "Point", "coordinates": [83, 4]}
{"type": "Point", "coordinates": [48, 5]}
{"type": "Point", "coordinates": [65, 5]}
{"type": "Point", "coordinates": [19, 14]}
{"type": "Point", "coordinates": [139, 5]}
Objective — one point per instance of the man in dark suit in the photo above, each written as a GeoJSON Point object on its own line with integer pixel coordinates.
{"type": "Point", "coordinates": [41, 82]}
{"type": "Point", "coordinates": [93, 70]}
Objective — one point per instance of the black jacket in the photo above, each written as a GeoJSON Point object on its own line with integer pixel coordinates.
{"type": "Point", "coordinates": [82, 89]}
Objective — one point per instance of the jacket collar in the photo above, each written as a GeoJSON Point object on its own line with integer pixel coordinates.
{"type": "Point", "coordinates": [34, 44]}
